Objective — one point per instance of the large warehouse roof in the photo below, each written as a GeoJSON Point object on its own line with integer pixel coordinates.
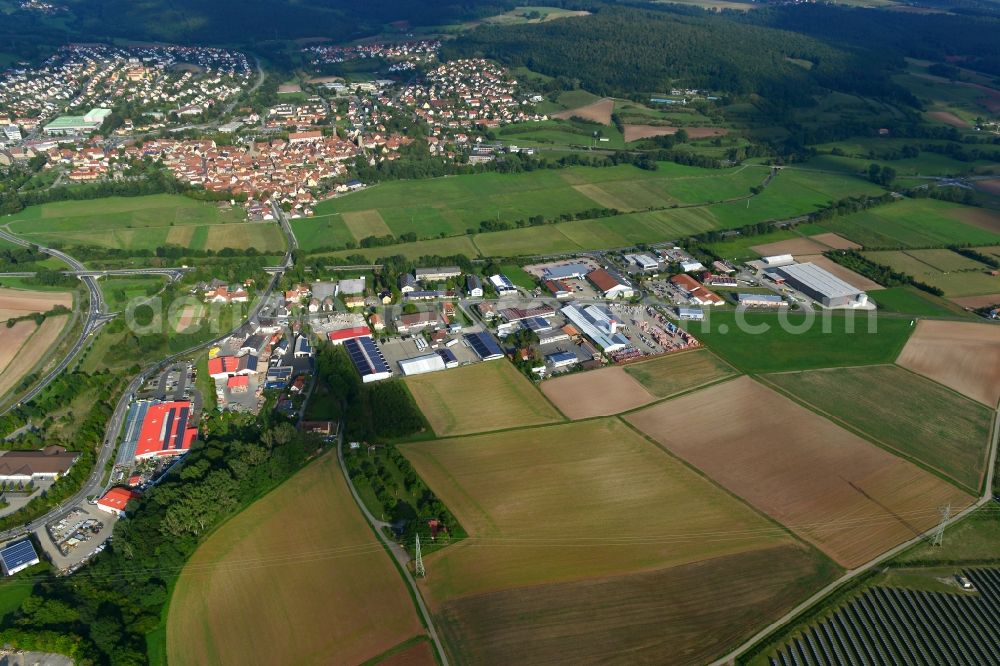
{"type": "Point", "coordinates": [368, 359]}
{"type": "Point", "coordinates": [165, 430]}
{"type": "Point", "coordinates": [820, 280]}
{"type": "Point", "coordinates": [597, 324]}
{"type": "Point", "coordinates": [422, 364]}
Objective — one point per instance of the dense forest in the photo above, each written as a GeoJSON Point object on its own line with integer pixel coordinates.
{"type": "Point", "coordinates": [624, 50]}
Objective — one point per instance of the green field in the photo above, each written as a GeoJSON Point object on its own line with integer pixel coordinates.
{"type": "Point", "coordinates": [949, 271]}
{"type": "Point", "coordinates": [903, 412]}
{"type": "Point", "coordinates": [803, 343]}
{"type": "Point", "coordinates": [912, 301]}
{"type": "Point", "coordinates": [324, 231]}
{"type": "Point", "coordinates": [680, 372]}
{"type": "Point", "coordinates": [144, 223]}
{"type": "Point", "coordinates": [668, 205]}
{"type": "Point", "coordinates": [972, 540]}
{"type": "Point", "coordinates": [913, 223]}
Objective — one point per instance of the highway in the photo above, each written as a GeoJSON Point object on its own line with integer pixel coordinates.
{"type": "Point", "coordinates": [94, 484]}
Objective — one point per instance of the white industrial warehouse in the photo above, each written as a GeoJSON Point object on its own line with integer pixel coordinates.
{"type": "Point", "coordinates": [597, 324]}
{"type": "Point", "coordinates": [822, 286]}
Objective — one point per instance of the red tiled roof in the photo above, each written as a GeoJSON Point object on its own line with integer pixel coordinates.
{"type": "Point", "coordinates": [165, 430]}
{"type": "Point", "coordinates": [117, 498]}
{"type": "Point", "coordinates": [603, 280]}
{"type": "Point", "coordinates": [349, 333]}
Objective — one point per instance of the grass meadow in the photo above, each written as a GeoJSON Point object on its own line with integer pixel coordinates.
{"type": "Point", "coordinates": [144, 223]}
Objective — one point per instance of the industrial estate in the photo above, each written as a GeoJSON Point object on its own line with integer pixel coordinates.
{"type": "Point", "coordinates": [500, 335]}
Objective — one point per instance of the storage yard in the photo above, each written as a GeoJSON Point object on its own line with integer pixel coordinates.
{"type": "Point", "coordinates": [964, 357]}
{"type": "Point", "coordinates": [850, 498]}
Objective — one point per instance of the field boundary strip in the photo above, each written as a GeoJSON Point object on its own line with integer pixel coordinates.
{"type": "Point", "coordinates": [680, 394]}
{"type": "Point", "coordinates": [864, 434]}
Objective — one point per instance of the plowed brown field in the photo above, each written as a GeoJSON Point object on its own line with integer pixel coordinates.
{"type": "Point", "coordinates": [962, 356]}
{"type": "Point", "coordinates": [850, 498]}
{"type": "Point", "coordinates": [598, 393]}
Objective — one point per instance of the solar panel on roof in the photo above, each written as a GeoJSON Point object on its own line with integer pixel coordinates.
{"type": "Point", "coordinates": [18, 554]}
{"type": "Point", "coordinates": [484, 345]}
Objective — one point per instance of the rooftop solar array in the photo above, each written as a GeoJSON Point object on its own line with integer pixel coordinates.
{"type": "Point", "coordinates": [133, 427]}
{"type": "Point", "coordinates": [18, 554]}
{"type": "Point", "coordinates": [447, 355]}
{"type": "Point", "coordinates": [538, 324]}
{"type": "Point", "coordinates": [484, 345]}
{"type": "Point", "coordinates": [366, 356]}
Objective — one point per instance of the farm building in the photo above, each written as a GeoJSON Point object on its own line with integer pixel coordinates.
{"type": "Point", "coordinates": [225, 366]}
{"type": "Point", "coordinates": [760, 300]}
{"type": "Point", "coordinates": [115, 500]}
{"type": "Point", "coordinates": [777, 260]}
{"type": "Point", "coordinates": [25, 466]}
{"type": "Point", "coordinates": [165, 431]}
{"type": "Point", "coordinates": [484, 345]}
{"type": "Point", "coordinates": [574, 271]}
{"type": "Point", "coordinates": [563, 359]}
{"type": "Point", "coordinates": [596, 323]}
{"type": "Point", "coordinates": [559, 289]}
{"type": "Point", "coordinates": [502, 284]}
{"type": "Point", "coordinates": [338, 337]}
{"type": "Point", "coordinates": [611, 286]}
{"type": "Point", "coordinates": [422, 364]}
{"type": "Point", "coordinates": [511, 315]}
{"type": "Point", "coordinates": [473, 286]}
{"type": "Point", "coordinates": [643, 262]}
{"type": "Point", "coordinates": [691, 314]}
{"type": "Point", "coordinates": [822, 286]}
{"type": "Point", "coordinates": [698, 294]}
{"type": "Point", "coordinates": [437, 273]}
{"type": "Point", "coordinates": [17, 556]}
{"type": "Point", "coordinates": [691, 265]}
{"type": "Point", "coordinates": [368, 359]}
{"type": "Point", "coordinates": [448, 356]}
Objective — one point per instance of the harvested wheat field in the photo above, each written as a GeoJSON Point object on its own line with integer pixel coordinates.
{"type": "Point", "coordinates": [835, 242]}
{"type": "Point", "coordinates": [675, 373]}
{"type": "Point", "coordinates": [478, 398]}
{"type": "Point", "coordinates": [11, 341]}
{"type": "Point", "coordinates": [598, 112]}
{"type": "Point", "coordinates": [574, 501]}
{"type": "Point", "coordinates": [581, 395]}
{"type": "Point", "coordinates": [683, 615]}
{"type": "Point", "coordinates": [975, 302]}
{"type": "Point", "coordinates": [32, 351]}
{"type": "Point", "coordinates": [639, 132]}
{"type": "Point", "coordinates": [850, 498]}
{"type": "Point", "coordinates": [962, 356]}
{"type": "Point", "coordinates": [856, 280]}
{"type": "Point", "coordinates": [296, 578]}
{"type": "Point", "coordinates": [20, 302]}
{"type": "Point", "coordinates": [793, 246]}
